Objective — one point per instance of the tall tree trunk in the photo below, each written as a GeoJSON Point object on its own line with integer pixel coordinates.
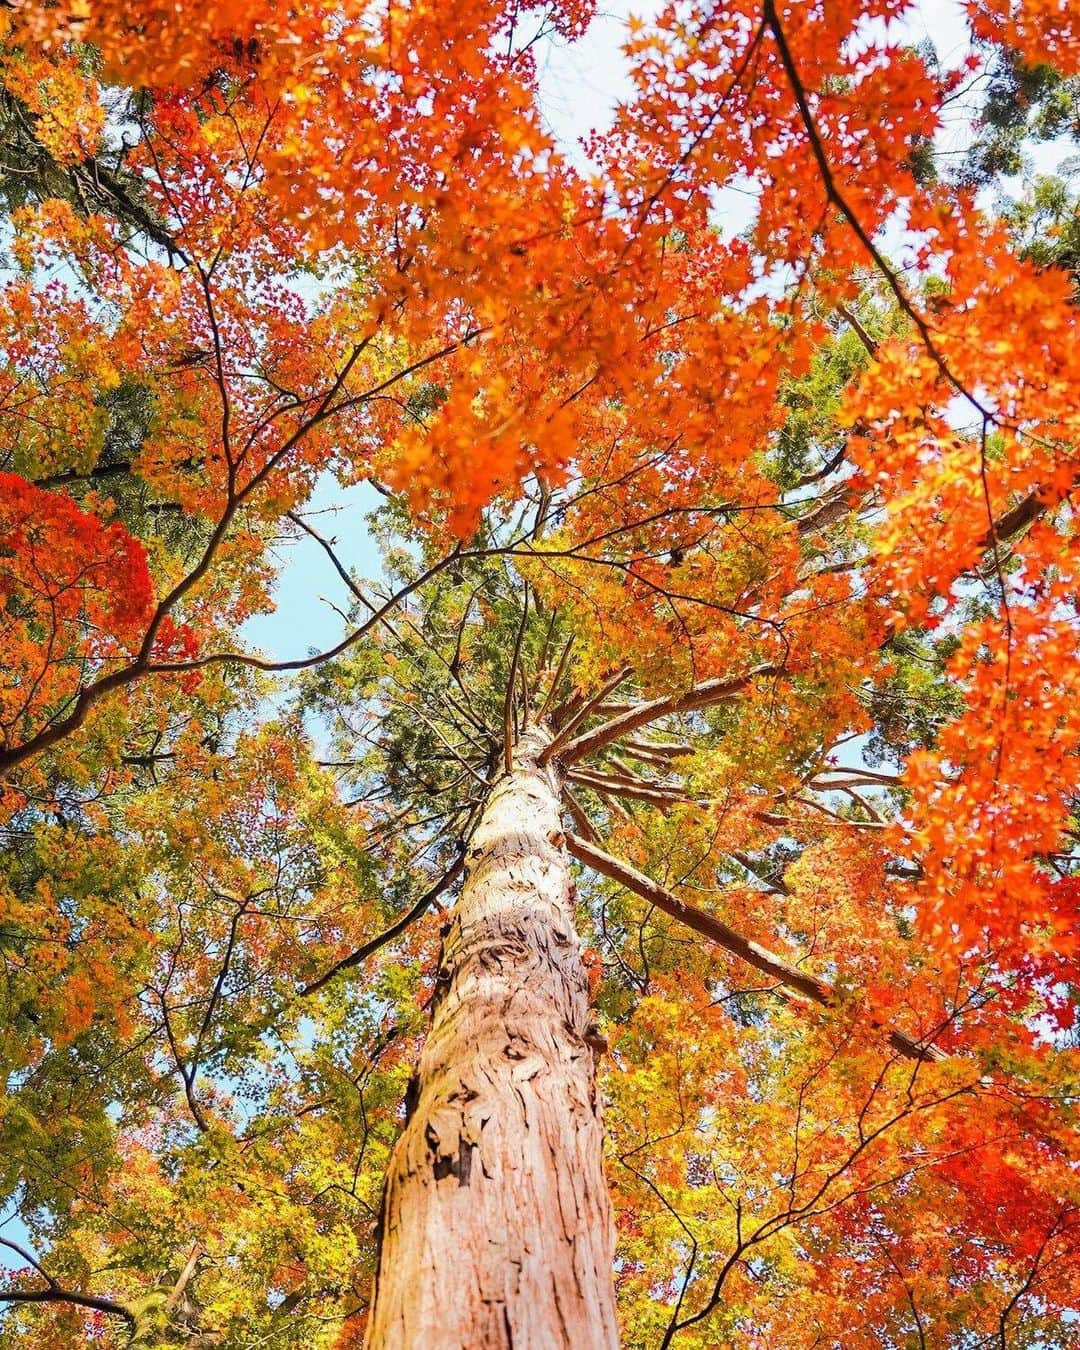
{"type": "Point", "coordinates": [497, 1228]}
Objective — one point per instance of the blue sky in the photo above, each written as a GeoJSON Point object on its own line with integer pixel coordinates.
{"type": "Point", "coordinates": [581, 84]}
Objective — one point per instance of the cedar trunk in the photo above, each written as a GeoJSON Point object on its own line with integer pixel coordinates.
{"type": "Point", "coordinates": [497, 1228]}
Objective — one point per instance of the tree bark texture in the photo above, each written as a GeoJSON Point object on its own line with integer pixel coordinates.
{"type": "Point", "coordinates": [497, 1228]}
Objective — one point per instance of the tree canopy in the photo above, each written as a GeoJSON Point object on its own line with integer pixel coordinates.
{"type": "Point", "coordinates": [759, 544]}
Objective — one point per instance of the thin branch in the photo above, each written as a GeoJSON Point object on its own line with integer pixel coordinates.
{"type": "Point", "coordinates": [395, 930]}
{"type": "Point", "coordinates": [541, 664]}
{"type": "Point", "coordinates": [836, 197]}
{"type": "Point", "coordinates": [556, 679]}
{"type": "Point", "coordinates": [580, 816]}
{"type": "Point", "coordinates": [508, 701]}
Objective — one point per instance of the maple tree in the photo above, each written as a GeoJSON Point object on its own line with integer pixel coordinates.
{"type": "Point", "coordinates": [738, 570]}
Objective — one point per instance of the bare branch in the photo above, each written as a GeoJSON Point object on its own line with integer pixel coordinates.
{"type": "Point", "coordinates": [184, 1278]}
{"type": "Point", "coordinates": [395, 930]}
{"type": "Point", "coordinates": [508, 702]}
{"type": "Point", "coordinates": [703, 695]}
{"type": "Point", "coordinates": [820, 991]}
{"type": "Point", "coordinates": [657, 749]}
{"type": "Point", "coordinates": [582, 713]}
{"type": "Point", "coordinates": [55, 1293]}
{"type": "Point", "coordinates": [580, 816]}
{"type": "Point", "coordinates": [834, 507]}
{"type": "Point", "coordinates": [626, 785]}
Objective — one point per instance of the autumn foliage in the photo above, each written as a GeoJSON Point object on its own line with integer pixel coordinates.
{"type": "Point", "coordinates": [767, 527]}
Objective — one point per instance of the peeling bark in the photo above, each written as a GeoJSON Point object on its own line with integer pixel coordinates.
{"type": "Point", "coordinates": [497, 1228]}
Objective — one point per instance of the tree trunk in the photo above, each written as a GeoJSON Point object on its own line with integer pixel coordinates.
{"type": "Point", "coordinates": [497, 1228]}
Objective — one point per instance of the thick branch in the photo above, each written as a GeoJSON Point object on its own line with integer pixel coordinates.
{"type": "Point", "coordinates": [820, 991]}
{"type": "Point", "coordinates": [1015, 521]}
{"type": "Point", "coordinates": [184, 1278]}
{"type": "Point", "coordinates": [55, 1293]}
{"type": "Point", "coordinates": [58, 1295]}
{"type": "Point", "coordinates": [658, 749]}
{"type": "Point", "coordinates": [587, 708]}
{"type": "Point", "coordinates": [702, 695]}
{"type": "Point", "coordinates": [832, 509]}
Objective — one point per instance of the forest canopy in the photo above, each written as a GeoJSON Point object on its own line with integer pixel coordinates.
{"type": "Point", "coordinates": [651, 920]}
